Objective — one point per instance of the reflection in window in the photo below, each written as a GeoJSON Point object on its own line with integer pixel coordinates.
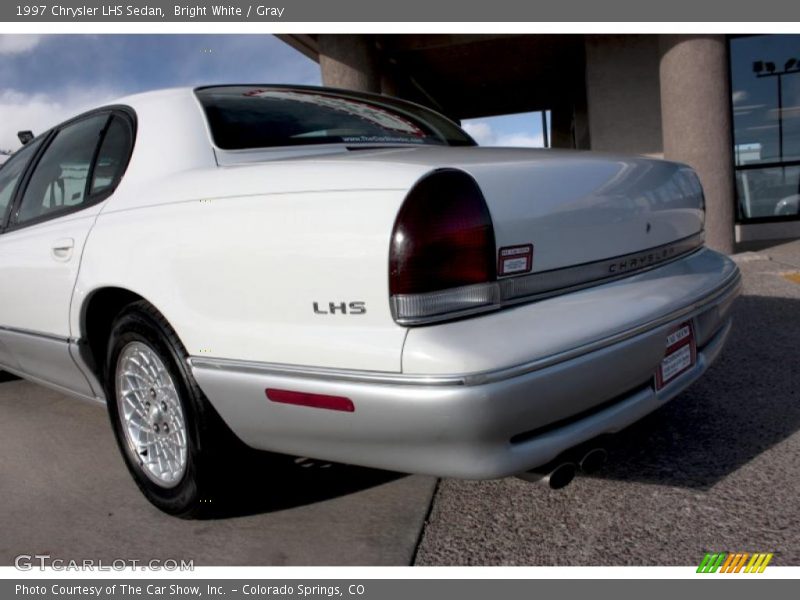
{"type": "Point", "coordinates": [530, 129]}
{"type": "Point", "coordinates": [112, 156]}
{"type": "Point", "coordinates": [765, 79]}
{"type": "Point", "coordinates": [769, 191]}
{"type": "Point", "coordinates": [11, 172]}
{"type": "Point", "coordinates": [59, 179]}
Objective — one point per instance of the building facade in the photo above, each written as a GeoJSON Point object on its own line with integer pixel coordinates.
{"type": "Point", "coordinates": [728, 106]}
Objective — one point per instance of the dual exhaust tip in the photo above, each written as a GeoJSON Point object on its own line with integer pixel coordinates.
{"type": "Point", "coordinates": [560, 473]}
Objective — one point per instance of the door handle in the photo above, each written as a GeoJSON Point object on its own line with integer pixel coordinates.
{"type": "Point", "coordinates": [62, 249]}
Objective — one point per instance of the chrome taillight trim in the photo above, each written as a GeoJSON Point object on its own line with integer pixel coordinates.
{"type": "Point", "coordinates": [536, 286]}
{"type": "Point", "coordinates": [445, 303]}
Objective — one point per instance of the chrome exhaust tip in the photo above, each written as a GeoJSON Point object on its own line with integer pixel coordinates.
{"type": "Point", "coordinates": [558, 477]}
{"type": "Point", "coordinates": [561, 476]}
{"type": "Point", "coordinates": [593, 460]}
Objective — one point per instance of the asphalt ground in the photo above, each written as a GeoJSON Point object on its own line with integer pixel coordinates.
{"type": "Point", "coordinates": [716, 469]}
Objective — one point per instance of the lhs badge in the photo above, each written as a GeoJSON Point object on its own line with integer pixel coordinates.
{"type": "Point", "coordinates": [513, 260]}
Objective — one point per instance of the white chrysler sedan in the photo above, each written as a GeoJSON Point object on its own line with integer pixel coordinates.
{"type": "Point", "coordinates": [347, 277]}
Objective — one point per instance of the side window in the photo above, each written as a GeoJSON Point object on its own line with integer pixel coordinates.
{"type": "Point", "coordinates": [11, 172]}
{"type": "Point", "coordinates": [59, 179]}
{"type": "Point", "coordinates": [113, 156]}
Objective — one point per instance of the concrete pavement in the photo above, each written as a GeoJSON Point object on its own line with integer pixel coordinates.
{"type": "Point", "coordinates": [64, 491]}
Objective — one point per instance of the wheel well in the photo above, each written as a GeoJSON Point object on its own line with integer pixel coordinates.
{"type": "Point", "coordinates": [98, 317]}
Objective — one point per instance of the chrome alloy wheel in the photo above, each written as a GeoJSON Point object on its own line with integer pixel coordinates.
{"type": "Point", "coordinates": [151, 414]}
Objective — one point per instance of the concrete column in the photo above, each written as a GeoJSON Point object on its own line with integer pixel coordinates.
{"type": "Point", "coordinates": [696, 123]}
{"type": "Point", "coordinates": [624, 94]}
{"type": "Point", "coordinates": [561, 126]}
{"type": "Point", "coordinates": [349, 61]}
{"type": "Point", "coordinates": [389, 85]}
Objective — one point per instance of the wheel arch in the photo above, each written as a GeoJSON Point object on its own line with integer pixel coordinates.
{"type": "Point", "coordinates": [97, 315]}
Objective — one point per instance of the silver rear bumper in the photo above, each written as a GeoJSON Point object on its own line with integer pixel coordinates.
{"type": "Point", "coordinates": [494, 422]}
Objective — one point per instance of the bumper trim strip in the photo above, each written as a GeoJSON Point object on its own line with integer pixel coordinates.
{"type": "Point", "coordinates": [728, 287]}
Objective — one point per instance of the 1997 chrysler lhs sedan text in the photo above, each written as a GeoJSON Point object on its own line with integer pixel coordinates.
{"type": "Point", "coordinates": [347, 277]}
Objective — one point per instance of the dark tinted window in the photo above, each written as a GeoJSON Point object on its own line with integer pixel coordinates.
{"type": "Point", "coordinates": [765, 79]}
{"type": "Point", "coordinates": [113, 156]}
{"type": "Point", "coordinates": [12, 171]}
{"type": "Point", "coordinates": [59, 179]}
{"type": "Point", "coordinates": [247, 117]}
{"type": "Point", "coordinates": [765, 96]}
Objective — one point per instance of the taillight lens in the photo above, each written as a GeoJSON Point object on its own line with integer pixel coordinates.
{"type": "Point", "coordinates": [442, 258]}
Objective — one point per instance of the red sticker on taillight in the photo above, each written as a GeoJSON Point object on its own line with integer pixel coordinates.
{"type": "Point", "coordinates": [513, 260]}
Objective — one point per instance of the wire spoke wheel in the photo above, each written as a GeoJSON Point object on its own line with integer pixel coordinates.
{"type": "Point", "coordinates": [151, 414]}
{"type": "Point", "coordinates": [175, 445]}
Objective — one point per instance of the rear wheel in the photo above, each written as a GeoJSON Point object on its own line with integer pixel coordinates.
{"type": "Point", "coordinates": [151, 415]}
{"type": "Point", "coordinates": [172, 440]}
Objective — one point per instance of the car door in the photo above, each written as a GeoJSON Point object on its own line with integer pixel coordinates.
{"type": "Point", "coordinates": [10, 176]}
{"type": "Point", "coordinates": [54, 208]}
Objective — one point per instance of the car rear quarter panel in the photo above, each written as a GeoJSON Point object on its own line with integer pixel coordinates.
{"type": "Point", "coordinates": [237, 276]}
{"type": "Point", "coordinates": [235, 256]}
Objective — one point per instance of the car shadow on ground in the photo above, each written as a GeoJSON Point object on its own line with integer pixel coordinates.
{"type": "Point", "coordinates": [747, 402]}
{"type": "Point", "coordinates": [7, 377]}
{"type": "Point", "coordinates": [262, 483]}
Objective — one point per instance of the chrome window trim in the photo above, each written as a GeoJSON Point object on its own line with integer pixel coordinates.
{"type": "Point", "coordinates": [729, 287]}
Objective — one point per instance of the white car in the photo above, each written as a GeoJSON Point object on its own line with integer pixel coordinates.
{"type": "Point", "coordinates": [348, 277]}
{"type": "Point", "coordinates": [789, 205]}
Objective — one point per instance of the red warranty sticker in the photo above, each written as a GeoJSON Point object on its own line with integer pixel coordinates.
{"type": "Point", "coordinates": [515, 259]}
{"type": "Point", "coordinates": [680, 355]}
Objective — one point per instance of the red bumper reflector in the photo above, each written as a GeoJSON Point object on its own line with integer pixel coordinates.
{"type": "Point", "coordinates": [311, 400]}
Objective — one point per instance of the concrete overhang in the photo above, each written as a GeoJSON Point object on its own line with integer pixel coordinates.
{"type": "Point", "coordinates": [467, 75]}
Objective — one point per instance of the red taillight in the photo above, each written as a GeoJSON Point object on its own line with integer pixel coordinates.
{"type": "Point", "coordinates": [442, 254]}
{"type": "Point", "coordinates": [311, 400]}
{"type": "Point", "coordinates": [443, 237]}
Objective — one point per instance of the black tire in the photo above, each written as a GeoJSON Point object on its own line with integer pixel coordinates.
{"type": "Point", "coordinates": [209, 441]}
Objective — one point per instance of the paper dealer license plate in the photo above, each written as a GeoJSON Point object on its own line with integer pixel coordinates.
{"type": "Point", "coordinates": [680, 356]}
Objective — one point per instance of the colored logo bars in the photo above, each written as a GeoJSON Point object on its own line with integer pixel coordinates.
{"type": "Point", "coordinates": [734, 562]}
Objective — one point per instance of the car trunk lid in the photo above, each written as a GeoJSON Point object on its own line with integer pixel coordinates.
{"type": "Point", "coordinates": [573, 207]}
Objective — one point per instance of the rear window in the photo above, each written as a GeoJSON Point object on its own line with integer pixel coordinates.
{"type": "Point", "coordinates": [261, 117]}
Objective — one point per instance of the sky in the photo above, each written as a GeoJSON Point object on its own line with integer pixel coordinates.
{"type": "Point", "coordinates": [45, 79]}
{"type": "Point", "coordinates": [522, 129]}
